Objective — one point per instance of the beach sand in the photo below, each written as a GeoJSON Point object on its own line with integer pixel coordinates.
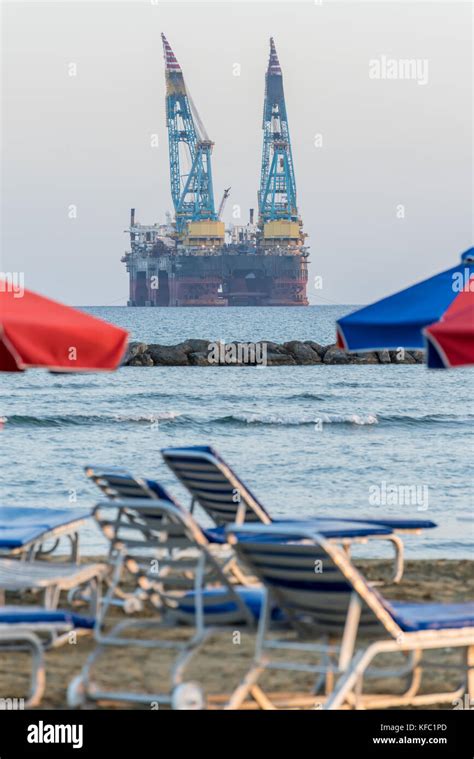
{"type": "Point", "coordinates": [220, 665]}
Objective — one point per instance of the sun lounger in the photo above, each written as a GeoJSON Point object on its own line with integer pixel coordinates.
{"type": "Point", "coordinates": [26, 627]}
{"type": "Point", "coordinates": [52, 578]}
{"type": "Point", "coordinates": [167, 552]}
{"type": "Point", "coordinates": [227, 500]}
{"type": "Point", "coordinates": [25, 530]}
{"type": "Point", "coordinates": [118, 483]}
{"type": "Point", "coordinates": [320, 592]}
{"type": "Point", "coordinates": [165, 549]}
{"type": "Point", "coordinates": [23, 534]}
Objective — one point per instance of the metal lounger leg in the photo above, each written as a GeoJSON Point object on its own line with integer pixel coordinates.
{"type": "Point", "coordinates": [38, 676]}
{"type": "Point", "coordinates": [184, 658]}
{"type": "Point", "coordinates": [359, 665]}
{"type": "Point", "coordinates": [246, 685]}
{"type": "Point", "coordinates": [470, 671]}
{"type": "Point", "coordinates": [349, 679]}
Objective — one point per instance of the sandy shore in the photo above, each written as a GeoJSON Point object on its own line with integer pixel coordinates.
{"type": "Point", "coordinates": [222, 663]}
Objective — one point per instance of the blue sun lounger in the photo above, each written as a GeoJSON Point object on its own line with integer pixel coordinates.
{"type": "Point", "coordinates": [25, 530]}
{"type": "Point", "coordinates": [120, 486]}
{"type": "Point", "coordinates": [23, 534]}
{"type": "Point", "coordinates": [161, 545]}
{"type": "Point", "coordinates": [25, 627]}
{"type": "Point", "coordinates": [226, 499]}
{"type": "Point", "coordinates": [322, 595]}
{"type": "Point", "coordinates": [118, 483]}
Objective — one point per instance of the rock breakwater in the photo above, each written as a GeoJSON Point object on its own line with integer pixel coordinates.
{"type": "Point", "coordinates": [195, 352]}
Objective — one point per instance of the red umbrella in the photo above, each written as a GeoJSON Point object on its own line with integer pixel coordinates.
{"type": "Point", "coordinates": [36, 331]}
{"type": "Point", "coordinates": [450, 342]}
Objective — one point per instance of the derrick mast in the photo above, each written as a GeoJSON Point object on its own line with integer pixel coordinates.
{"type": "Point", "coordinates": [189, 156]}
{"type": "Point", "coordinates": [278, 212]}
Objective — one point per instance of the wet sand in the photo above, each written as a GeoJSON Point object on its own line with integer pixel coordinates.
{"type": "Point", "coordinates": [221, 664]}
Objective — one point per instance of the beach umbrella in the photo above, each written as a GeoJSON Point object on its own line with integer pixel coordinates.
{"type": "Point", "coordinates": [450, 342]}
{"type": "Point", "coordinates": [39, 332]}
{"type": "Point", "coordinates": [440, 305]}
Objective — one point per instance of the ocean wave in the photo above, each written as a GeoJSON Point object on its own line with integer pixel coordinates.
{"type": "Point", "coordinates": [65, 420]}
{"type": "Point", "coordinates": [295, 420]}
{"type": "Point", "coordinates": [423, 419]}
{"type": "Point", "coordinates": [345, 384]}
{"type": "Point", "coordinates": [255, 418]}
{"type": "Point", "coordinates": [44, 387]}
{"type": "Point", "coordinates": [159, 395]}
{"type": "Point", "coordinates": [160, 416]}
{"type": "Point", "coordinates": [307, 396]}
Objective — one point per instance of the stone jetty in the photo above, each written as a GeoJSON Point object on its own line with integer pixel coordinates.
{"type": "Point", "coordinates": [195, 352]}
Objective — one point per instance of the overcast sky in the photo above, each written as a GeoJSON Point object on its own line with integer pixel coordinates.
{"type": "Point", "coordinates": [84, 140]}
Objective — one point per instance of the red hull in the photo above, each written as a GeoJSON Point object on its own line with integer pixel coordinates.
{"type": "Point", "coordinates": [218, 280]}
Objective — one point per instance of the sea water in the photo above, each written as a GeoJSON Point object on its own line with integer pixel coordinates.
{"type": "Point", "coordinates": [337, 441]}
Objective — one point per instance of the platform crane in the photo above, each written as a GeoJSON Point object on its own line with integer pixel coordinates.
{"type": "Point", "coordinates": [191, 188]}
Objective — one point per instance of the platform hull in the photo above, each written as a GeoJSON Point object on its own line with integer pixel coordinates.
{"type": "Point", "coordinates": [217, 280]}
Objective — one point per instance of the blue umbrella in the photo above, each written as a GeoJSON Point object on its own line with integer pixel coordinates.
{"type": "Point", "coordinates": [398, 321]}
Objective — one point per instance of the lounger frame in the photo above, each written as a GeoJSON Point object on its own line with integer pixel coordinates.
{"type": "Point", "coordinates": [141, 532]}
{"type": "Point", "coordinates": [34, 638]}
{"type": "Point", "coordinates": [51, 579]}
{"type": "Point", "coordinates": [249, 510]}
{"type": "Point", "coordinates": [342, 666]}
{"type": "Point", "coordinates": [35, 549]}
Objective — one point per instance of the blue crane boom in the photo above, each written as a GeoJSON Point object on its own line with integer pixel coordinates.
{"type": "Point", "coordinates": [191, 189]}
{"type": "Point", "coordinates": [277, 194]}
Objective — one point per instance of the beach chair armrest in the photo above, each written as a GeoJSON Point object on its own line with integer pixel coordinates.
{"type": "Point", "coordinates": [399, 562]}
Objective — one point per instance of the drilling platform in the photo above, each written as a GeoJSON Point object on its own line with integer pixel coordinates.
{"type": "Point", "coordinates": [192, 260]}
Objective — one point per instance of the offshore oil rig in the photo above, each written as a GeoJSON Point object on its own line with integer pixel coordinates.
{"type": "Point", "coordinates": [192, 260]}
